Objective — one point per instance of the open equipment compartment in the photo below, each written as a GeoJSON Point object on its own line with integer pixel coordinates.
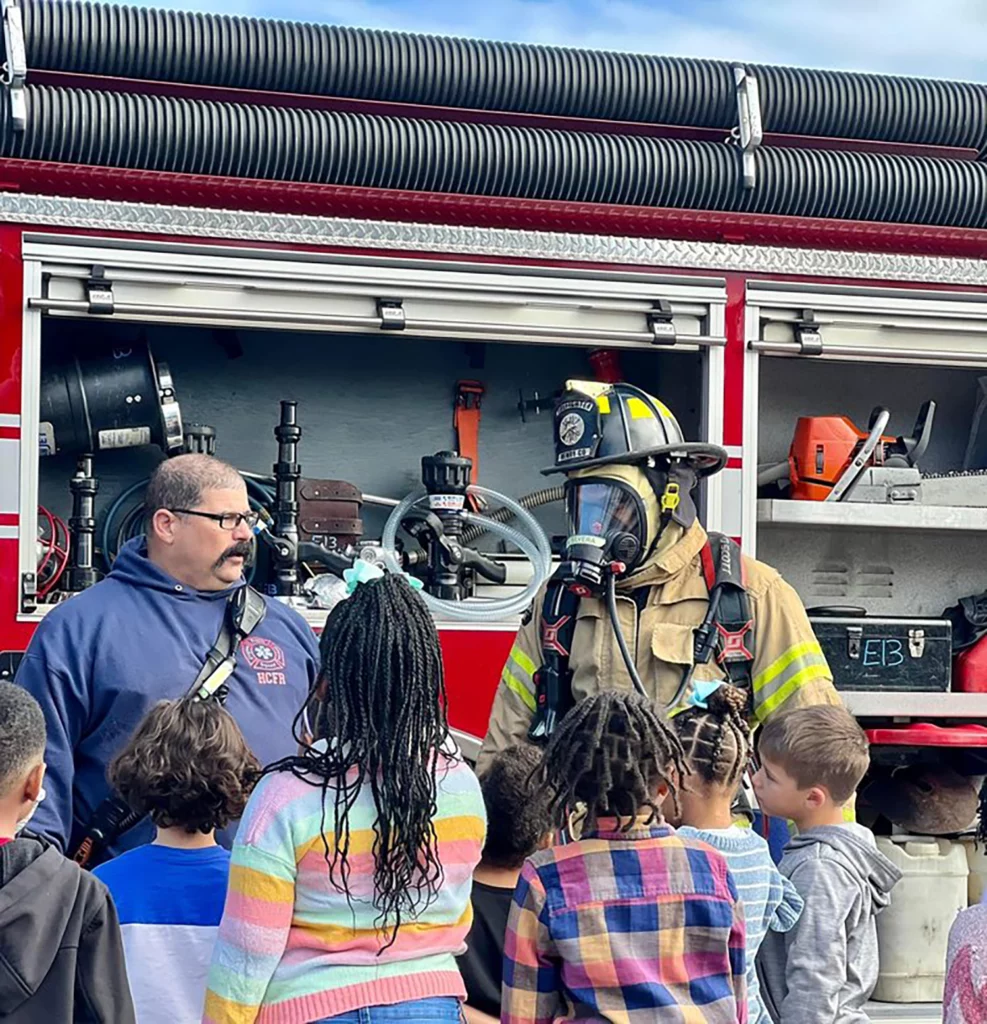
{"type": "Point", "coordinates": [829, 351]}
{"type": "Point", "coordinates": [371, 348]}
{"type": "Point", "coordinates": [817, 350]}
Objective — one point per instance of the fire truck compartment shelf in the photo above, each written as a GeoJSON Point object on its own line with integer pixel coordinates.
{"type": "Point", "coordinates": [915, 705]}
{"type": "Point", "coordinates": [871, 516]}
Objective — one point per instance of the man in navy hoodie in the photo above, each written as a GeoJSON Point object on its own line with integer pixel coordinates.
{"type": "Point", "coordinates": [101, 660]}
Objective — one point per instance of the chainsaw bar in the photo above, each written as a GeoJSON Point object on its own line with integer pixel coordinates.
{"type": "Point", "coordinates": [961, 488]}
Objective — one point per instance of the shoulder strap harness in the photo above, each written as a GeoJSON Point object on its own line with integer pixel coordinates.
{"type": "Point", "coordinates": [553, 680]}
{"type": "Point", "coordinates": [245, 610]}
{"type": "Point", "coordinates": [727, 630]}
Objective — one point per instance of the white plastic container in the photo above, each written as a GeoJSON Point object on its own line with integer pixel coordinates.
{"type": "Point", "coordinates": [912, 932]}
{"type": "Point", "coordinates": [977, 859]}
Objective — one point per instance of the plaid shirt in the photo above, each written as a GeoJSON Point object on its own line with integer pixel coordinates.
{"type": "Point", "coordinates": [634, 926]}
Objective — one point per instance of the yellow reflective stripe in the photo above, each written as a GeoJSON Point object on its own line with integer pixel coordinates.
{"type": "Point", "coordinates": [523, 661]}
{"type": "Point", "coordinates": [812, 672]}
{"type": "Point", "coordinates": [799, 664]}
{"type": "Point", "coordinates": [512, 682]}
{"type": "Point", "coordinates": [792, 654]}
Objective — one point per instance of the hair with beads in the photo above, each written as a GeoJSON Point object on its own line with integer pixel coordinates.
{"type": "Point", "coordinates": [716, 739]}
{"type": "Point", "coordinates": [610, 753]}
{"type": "Point", "coordinates": [379, 706]}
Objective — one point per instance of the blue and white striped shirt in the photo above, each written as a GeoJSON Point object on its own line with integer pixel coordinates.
{"type": "Point", "coordinates": [170, 902]}
{"type": "Point", "coordinates": [770, 899]}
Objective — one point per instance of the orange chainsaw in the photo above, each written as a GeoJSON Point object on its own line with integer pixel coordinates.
{"type": "Point", "coordinates": [831, 460]}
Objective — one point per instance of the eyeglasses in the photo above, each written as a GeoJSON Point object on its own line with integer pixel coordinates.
{"type": "Point", "coordinates": [227, 520]}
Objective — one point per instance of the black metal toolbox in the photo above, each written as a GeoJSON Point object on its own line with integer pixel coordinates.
{"type": "Point", "coordinates": [878, 653]}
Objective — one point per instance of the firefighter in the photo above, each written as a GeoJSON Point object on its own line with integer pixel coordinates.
{"type": "Point", "coordinates": [638, 573]}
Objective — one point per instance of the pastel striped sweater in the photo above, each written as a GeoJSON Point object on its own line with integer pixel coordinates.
{"type": "Point", "coordinates": [770, 900]}
{"type": "Point", "coordinates": [291, 949]}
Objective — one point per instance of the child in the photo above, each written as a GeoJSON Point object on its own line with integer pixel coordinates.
{"type": "Point", "coordinates": [630, 922]}
{"type": "Point", "coordinates": [60, 941]}
{"type": "Point", "coordinates": [350, 886]}
{"type": "Point", "coordinates": [824, 970]}
{"type": "Point", "coordinates": [518, 824]}
{"type": "Point", "coordinates": [717, 744]}
{"type": "Point", "coordinates": [964, 1000]}
{"type": "Point", "coordinates": [189, 768]}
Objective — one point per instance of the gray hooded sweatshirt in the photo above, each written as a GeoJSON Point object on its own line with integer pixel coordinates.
{"type": "Point", "coordinates": [824, 970]}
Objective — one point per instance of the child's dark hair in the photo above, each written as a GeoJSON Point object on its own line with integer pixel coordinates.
{"type": "Point", "coordinates": [379, 705]}
{"type": "Point", "coordinates": [518, 815]}
{"type": "Point", "coordinates": [187, 766]}
{"type": "Point", "coordinates": [717, 739]}
{"type": "Point", "coordinates": [610, 753]}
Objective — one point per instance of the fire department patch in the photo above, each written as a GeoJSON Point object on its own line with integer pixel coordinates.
{"type": "Point", "coordinates": [571, 429]}
{"type": "Point", "coordinates": [262, 655]}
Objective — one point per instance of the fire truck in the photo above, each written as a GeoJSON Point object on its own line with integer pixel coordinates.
{"type": "Point", "coordinates": [345, 250]}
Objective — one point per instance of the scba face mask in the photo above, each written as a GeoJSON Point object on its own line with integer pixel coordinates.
{"type": "Point", "coordinates": [607, 522]}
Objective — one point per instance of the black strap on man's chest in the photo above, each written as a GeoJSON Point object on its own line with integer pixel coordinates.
{"type": "Point", "coordinates": [245, 610]}
{"type": "Point", "coordinates": [727, 631]}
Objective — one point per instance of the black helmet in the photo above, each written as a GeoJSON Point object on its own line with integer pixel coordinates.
{"type": "Point", "coordinates": [601, 424]}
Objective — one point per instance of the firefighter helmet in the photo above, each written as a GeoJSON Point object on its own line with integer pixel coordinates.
{"type": "Point", "coordinates": [602, 424]}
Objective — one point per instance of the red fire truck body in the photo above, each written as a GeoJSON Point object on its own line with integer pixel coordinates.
{"type": "Point", "coordinates": [887, 299]}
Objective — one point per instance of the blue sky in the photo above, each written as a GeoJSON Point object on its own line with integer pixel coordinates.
{"type": "Point", "coordinates": [942, 38]}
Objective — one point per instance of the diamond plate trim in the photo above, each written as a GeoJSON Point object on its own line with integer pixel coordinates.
{"type": "Point", "coordinates": [145, 218]}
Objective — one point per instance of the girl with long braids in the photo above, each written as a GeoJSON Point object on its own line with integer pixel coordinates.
{"type": "Point", "coordinates": [631, 922]}
{"type": "Point", "coordinates": [349, 894]}
{"type": "Point", "coordinates": [716, 739]}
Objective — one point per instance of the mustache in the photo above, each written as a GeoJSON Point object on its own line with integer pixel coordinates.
{"type": "Point", "coordinates": [242, 549]}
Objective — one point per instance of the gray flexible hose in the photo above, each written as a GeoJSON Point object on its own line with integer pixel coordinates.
{"type": "Point", "coordinates": [234, 140]}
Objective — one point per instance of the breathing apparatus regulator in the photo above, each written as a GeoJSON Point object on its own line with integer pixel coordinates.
{"type": "Point", "coordinates": [630, 473]}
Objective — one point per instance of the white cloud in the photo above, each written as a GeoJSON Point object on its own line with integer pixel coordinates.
{"type": "Point", "coordinates": [947, 38]}
{"type": "Point", "coordinates": [941, 38]}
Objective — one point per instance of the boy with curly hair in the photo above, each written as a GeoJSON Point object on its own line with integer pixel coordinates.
{"type": "Point", "coordinates": [189, 768]}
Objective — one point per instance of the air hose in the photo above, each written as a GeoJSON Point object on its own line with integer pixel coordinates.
{"type": "Point", "coordinates": [619, 633]}
{"type": "Point", "coordinates": [278, 56]}
{"type": "Point", "coordinates": [202, 137]}
{"type": "Point", "coordinates": [534, 544]}
{"type": "Point", "coordinates": [504, 514]}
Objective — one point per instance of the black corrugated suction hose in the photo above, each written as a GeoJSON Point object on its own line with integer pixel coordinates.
{"type": "Point", "coordinates": [250, 53]}
{"type": "Point", "coordinates": [197, 137]}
